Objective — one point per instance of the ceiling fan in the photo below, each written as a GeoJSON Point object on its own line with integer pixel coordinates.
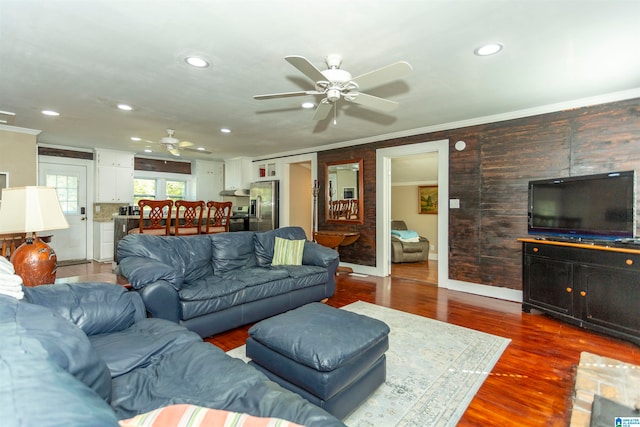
{"type": "Point", "coordinates": [336, 83]}
{"type": "Point", "coordinates": [173, 145]}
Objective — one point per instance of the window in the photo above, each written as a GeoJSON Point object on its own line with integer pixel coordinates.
{"type": "Point", "coordinates": [158, 189]}
{"type": "Point", "coordinates": [143, 189]}
{"type": "Point", "coordinates": [176, 190]}
{"type": "Point", "coordinates": [67, 188]}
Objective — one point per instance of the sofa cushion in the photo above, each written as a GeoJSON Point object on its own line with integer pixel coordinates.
{"type": "Point", "coordinates": [35, 391]}
{"type": "Point", "coordinates": [140, 344]}
{"type": "Point", "coordinates": [287, 252]}
{"type": "Point", "coordinates": [255, 276]}
{"type": "Point", "coordinates": [269, 289]}
{"type": "Point", "coordinates": [196, 416]}
{"type": "Point", "coordinates": [204, 375]}
{"type": "Point", "coordinates": [232, 251]}
{"type": "Point", "coordinates": [210, 288]}
{"type": "Point", "coordinates": [264, 242]}
{"type": "Point", "coordinates": [190, 256]}
{"type": "Point", "coordinates": [96, 308]}
{"type": "Point", "coordinates": [36, 330]}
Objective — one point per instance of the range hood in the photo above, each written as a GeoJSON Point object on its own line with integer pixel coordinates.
{"type": "Point", "coordinates": [237, 193]}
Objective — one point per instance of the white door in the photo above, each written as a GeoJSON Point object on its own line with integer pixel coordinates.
{"type": "Point", "coordinates": [70, 182]}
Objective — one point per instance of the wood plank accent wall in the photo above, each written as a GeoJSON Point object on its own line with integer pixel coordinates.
{"type": "Point", "coordinates": [154, 165]}
{"type": "Point", "coordinates": [59, 152]}
{"type": "Point", "coordinates": [490, 178]}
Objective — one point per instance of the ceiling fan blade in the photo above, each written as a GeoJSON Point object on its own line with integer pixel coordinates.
{"type": "Point", "coordinates": [383, 75]}
{"type": "Point", "coordinates": [306, 67]}
{"type": "Point", "coordinates": [174, 151]}
{"type": "Point", "coordinates": [371, 101]}
{"type": "Point", "coordinates": [323, 110]}
{"type": "Point", "coordinates": [287, 94]}
{"type": "Point", "coordinates": [183, 144]}
{"type": "Point", "coordinates": [195, 150]}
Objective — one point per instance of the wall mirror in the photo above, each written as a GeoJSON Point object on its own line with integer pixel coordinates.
{"type": "Point", "coordinates": [344, 191]}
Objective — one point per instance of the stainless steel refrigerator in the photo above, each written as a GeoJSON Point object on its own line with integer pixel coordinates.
{"type": "Point", "coordinates": [263, 209]}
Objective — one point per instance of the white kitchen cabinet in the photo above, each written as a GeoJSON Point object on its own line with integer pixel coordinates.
{"type": "Point", "coordinates": [237, 173]}
{"type": "Point", "coordinates": [114, 176]}
{"type": "Point", "coordinates": [118, 159]}
{"type": "Point", "coordinates": [268, 170]}
{"type": "Point", "coordinates": [209, 179]}
{"type": "Point", "coordinates": [103, 241]}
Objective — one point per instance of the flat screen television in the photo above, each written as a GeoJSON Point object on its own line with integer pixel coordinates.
{"type": "Point", "coordinates": [598, 206]}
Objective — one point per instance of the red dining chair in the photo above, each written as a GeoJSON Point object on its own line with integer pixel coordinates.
{"type": "Point", "coordinates": [188, 218]}
{"type": "Point", "coordinates": [158, 217]}
{"type": "Point", "coordinates": [218, 214]}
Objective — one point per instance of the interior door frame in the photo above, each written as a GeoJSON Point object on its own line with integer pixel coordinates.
{"type": "Point", "coordinates": [383, 204]}
{"type": "Point", "coordinates": [90, 166]}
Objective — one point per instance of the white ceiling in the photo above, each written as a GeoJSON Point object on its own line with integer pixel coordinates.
{"type": "Point", "coordinates": [82, 58]}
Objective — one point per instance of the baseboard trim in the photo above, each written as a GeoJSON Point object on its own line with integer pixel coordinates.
{"type": "Point", "coordinates": [484, 290]}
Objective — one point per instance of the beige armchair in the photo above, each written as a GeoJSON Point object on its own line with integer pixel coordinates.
{"type": "Point", "coordinates": [402, 251]}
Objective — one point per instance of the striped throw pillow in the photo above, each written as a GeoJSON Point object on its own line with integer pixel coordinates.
{"type": "Point", "coordinates": [287, 252]}
{"type": "Point", "coordinates": [184, 415]}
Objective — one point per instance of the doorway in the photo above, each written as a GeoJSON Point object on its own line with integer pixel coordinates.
{"type": "Point", "coordinates": [383, 203]}
{"type": "Point", "coordinates": [411, 175]}
{"type": "Point", "coordinates": [300, 206]}
{"type": "Point", "coordinates": [70, 182]}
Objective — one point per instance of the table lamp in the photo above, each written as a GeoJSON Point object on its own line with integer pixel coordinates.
{"type": "Point", "coordinates": [31, 210]}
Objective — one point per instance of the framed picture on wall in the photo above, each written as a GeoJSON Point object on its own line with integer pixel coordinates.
{"type": "Point", "coordinates": [428, 199]}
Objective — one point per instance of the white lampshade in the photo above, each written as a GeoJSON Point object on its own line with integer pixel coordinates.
{"type": "Point", "coordinates": [30, 210]}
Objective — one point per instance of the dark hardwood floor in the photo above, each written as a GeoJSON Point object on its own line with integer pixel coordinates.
{"type": "Point", "coordinates": [532, 383]}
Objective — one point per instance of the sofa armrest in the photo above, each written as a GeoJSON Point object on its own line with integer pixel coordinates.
{"type": "Point", "coordinates": [161, 300]}
{"type": "Point", "coordinates": [316, 254]}
{"type": "Point", "coordinates": [140, 271]}
{"type": "Point", "coordinates": [96, 308]}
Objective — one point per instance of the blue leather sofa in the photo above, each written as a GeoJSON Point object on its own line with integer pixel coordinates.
{"type": "Point", "coordinates": [85, 354]}
{"type": "Point", "coordinates": [216, 282]}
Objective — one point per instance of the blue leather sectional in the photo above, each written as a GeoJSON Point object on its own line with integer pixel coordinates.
{"type": "Point", "coordinates": [85, 354]}
{"type": "Point", "coordinates": [213, 283]}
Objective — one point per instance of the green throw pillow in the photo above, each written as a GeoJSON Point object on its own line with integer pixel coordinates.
{"type": "Point", "coordinates": [287, 252]}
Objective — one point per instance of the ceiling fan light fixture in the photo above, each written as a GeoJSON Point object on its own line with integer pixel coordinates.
{"type": "Point", "coordinates": [488, 49]}
{"type": "Point", "coordinates": [196, 61]}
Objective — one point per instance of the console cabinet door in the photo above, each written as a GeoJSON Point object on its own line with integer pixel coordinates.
{"type": "Point", "coordinates": [548, 284]}
{"type": "Point", "coordinates": [609, 297]}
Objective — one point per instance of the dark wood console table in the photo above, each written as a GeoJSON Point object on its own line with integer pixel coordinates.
{"type": "Point", "coordinates": [593, 286]}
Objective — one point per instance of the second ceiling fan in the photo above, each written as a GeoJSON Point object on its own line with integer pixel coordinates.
{"type": "Point", "coordinates": [338, 84]}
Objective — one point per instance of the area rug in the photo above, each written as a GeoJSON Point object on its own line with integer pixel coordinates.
{"type": "Point", "coordinates": [433, 370]}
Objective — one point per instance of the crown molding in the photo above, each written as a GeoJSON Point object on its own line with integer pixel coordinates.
{"type": "Point", "coordinates": [17, 129]}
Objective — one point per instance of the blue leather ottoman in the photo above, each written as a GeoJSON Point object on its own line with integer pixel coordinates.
{"type": "Point", "coordinates": [333, 358]}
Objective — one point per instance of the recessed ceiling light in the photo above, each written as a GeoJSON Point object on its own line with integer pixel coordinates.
{"type": "Point", "coordinates": [148, 150]}
{"type": "Point", "coordinates": [195, 61]}
{"type": "Point", "coordinates": [50, 113]}
{"type": "Point", "coordinates": [488, 49]}
{"type": "Point", "coordinates": [308, 105]}
{"type": "Point", "coordinates": [225, 130]}
{"type": "Point", "coordinates": [200, 148]}
{"type": "Point", "coordinates": [125, 107]}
